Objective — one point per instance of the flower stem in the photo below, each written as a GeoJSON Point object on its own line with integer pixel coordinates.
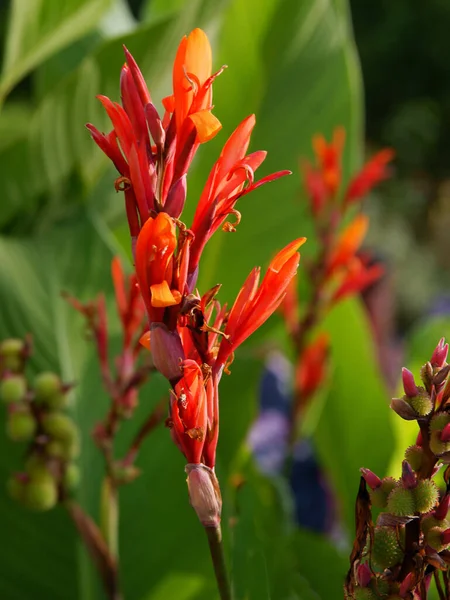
{"type": "Point", "coordinates": [214, 535]}
{"type": "Point", "coordinates": [109, 515]}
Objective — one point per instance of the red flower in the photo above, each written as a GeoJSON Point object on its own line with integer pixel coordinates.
{"type": "Point", "coordinates": [356, 278]}
{"type": "Point", "coordinates": [348, 243]}
{"type": "Point", "coordinates": [130, 307]}
{"type": "Point", "coordinates": [374, 171]}
{"type": "Point", "coordinates": [254, 305]}
{"type": "Point", "coordinates": [311, 366]}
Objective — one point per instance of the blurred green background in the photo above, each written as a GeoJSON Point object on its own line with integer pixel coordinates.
{"type": "Point", "coordinates": [295, 64]}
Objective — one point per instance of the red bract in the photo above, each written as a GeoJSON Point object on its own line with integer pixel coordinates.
{"type": "Point", "coordinates": [374, 171]}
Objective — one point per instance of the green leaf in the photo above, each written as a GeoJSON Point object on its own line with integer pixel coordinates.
{"type": "Point", "coordinates": [41, 28]}
{"type": "Point", "coordinates": [354, 428]}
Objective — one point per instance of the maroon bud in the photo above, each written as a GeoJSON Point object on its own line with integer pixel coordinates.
{"type": "Point", "coordinates": [409, 385]}
{"type": "Point", "coordinates": [403, 409]}
{"type": "Point", "coordinates": [419, 440]}
{"type": "Point", "coordinates": [440, 354]}
{"type": "Point", "coordinates": [407, 585]}
{"type": "Point", "coordinates": [445, 434]}
{"type": "Point", "coordinates": [372, 480]}
{"type": "Point", "coordinates": [176, 198]}
{"type": "Point", "coordinates": [409, 478]}
{"type": "Point", "coordinates": [154, 124]}
{"type": "Point", "coordinates": [445, 537]}
{"type": "Point", "coordinates": [363, 575]}
{"type": "Point", "coordinates": [167, 352]}
{"type": "Point", "coordinates": [441, 511]}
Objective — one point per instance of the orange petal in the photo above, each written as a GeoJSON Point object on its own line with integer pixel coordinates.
{"type": "Point", "coordinates": [162, 296]}
{"type": "Point", "coordinates": [198, 57]}
{"type": "Point", "coordinates": [206, 124]}
{"type": "Point", "coordinates": [144, 340]}
{"type": "Point", "coordinates": [169, 103]}
{"type": "Point", "coordinates": [285, 254]}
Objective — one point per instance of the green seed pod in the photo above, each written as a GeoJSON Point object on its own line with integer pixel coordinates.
{"type": "Point", "coordinates": [11, 354]}
{"type": "Point", "coordinates": [401, 502]}
{"type": "Point", "coordinates": [60, 426]}
{"type": "Point", "coordinates": [426, 495]}
{"type": "Point", "coordinates": [434, 538]}
{"type": "Point", "coordinates": [429, 522]}
{"type": "Point", "coordinates": [386, 551]}
{"type": "Point", "coordinates": [16, 486]}
{"type": "Point", "coordinates": [72, 476]}
{"type": "Point", "coordinates": [379, 496]}
{"type": "Point", "coordinates": [64, 450]}
{"type": "Point", "coordinates": [49, 391]}
{"type": "Point", "coordinates": [36, 466]}
{"type": "Point", "coordinates": [364, 594]}
{"type": "Point", "coordinates": [439, 421]}
{"type": "Point", "coordinates": [40, 494]}
{"type": "Point", "coordinates": [436, 445]}
{"type": "Point", "coordinates": [422, 404]}
{"type": "Point", "coordinates": [414, 456]}
{"type": "Point", "coordinates": [21, 426]}
{"type": "Point", "coordinates": [13, 389]}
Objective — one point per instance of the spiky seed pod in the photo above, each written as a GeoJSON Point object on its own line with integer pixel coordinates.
{"type": "Point", "coordinates": [13, 389]}
{"type": "Point", "coordinates": [422, 404]}
{"type": "Point", "coordinates": [433, 538]}
{"type": "Point", "coordinates": [386, 551]}
{"type": "Point", "coordinates": [379, 496]}
{"type": "Point", "coordinates": [63, 450]}
{"type": "Point", "coordinates": [364, 594]}
{"type": "Point", "coordinates": [16, 487]}
{"type": "Point", "coordinates": [59, 426]}
{"type": "Point", "coordinates": [426, 495]}
{"type": "Point", "coordinates": [21, 426]}
{"type": "Point", "coordinates": [49, 390]}
{"type": "Point", "coordinates": [71, 478]}
{"type": "Point", "coordinates": [429, 522]}
{"type": "Point", "coordinates": [414, 455]}
{"type": "Point", "coordinates": [437, 446]}
{"type": "Point", "coordinates": [40, 494]}
{"type": "Point", "coordinates": [401, 502]}
{"type": "Point", "coordinates": [439, 421]}
{"type": "Point", "coordinates": [11, 355]}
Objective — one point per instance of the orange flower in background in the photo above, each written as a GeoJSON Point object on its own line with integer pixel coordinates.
{"type": "Point", "coordinates": [311, 366]}
{"type": "Point", "coordinates": [374, 171]}
{"type": "Point", "coordinates": [348, 243]}
{"type": "Point", "coordinates": [329, 158]}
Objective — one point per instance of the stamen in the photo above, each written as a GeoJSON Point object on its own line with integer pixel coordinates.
{"type": "Point", "coordinates": [196, 433]}
{"type": "Point", "coordinates": [231, 227]}
{"type": "Point", "coordinates": [193, 80]}
{"type": "Point", "coordinates": [122, 184]}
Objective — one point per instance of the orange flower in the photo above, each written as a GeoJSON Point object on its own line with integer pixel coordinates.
{"type": "Point", "coordinates": [154, 264]}
{"type": "Point", "coordinates": [374, 171]}
{"type": "Point", "coordinates": [254, 305]}
{"type": "Point", "coordinates": [348, 243]}
{"type": "Point", "coordinates": [311, 366]}
{"type": "Point", "coordinates": [192, 91]}
{"type": "Point", "coordinates": [129, 301]}
{"type": "Point", "coordinates": [357, 278]}
{"type": "Point", "coordinates": [329, 158]}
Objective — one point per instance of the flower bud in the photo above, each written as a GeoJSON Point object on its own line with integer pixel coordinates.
{"type": "Point", "coordinates": [401, 502]}
{"type": "Point", "coordinates": [167, 352]}
{"type": "Point", "coordinates": [49, 390]}
{"type": "Point", "coordinates": [414, 456]}
{"type": "Point", "coordinates": [372, 480]}
{"type": "Point", "coordinates": [125, 474]}
{"type": "Point", "coordinates": [12, 355]}
{"type": "Point", "coordinates": [13, 389]}
{"type": "Point", "coordinates": [409, 385]}
{"type": "Point", "coordinates": [363, 575]}
{"type": "Point", "coordinates": [386, 551]}
{"type": "Point", "coordinates": [439, 355]}
{"type": "Point", "coordinates": [21, 426]}
{"type": "Point", "coordinates": [426, 375]}
{"type": "Point", "coordinates": [176, 198]}
{"type": "Point", "coordinates": [426, 495]}
{"type": "Point", "coordinates": [40, 493]}
{"type": "Point", "coordinates": [204, 494]}
{"type": "Point", "coordinates": [445, 434]}
{"type": "Point", "coordinates": [403, 409]}
{"type": "Point", "coordinates": [407, 584]}
{"type": "Point", "coordinates": [379, 496]}
{"type": "Point", "coordinates": [439, 421]}
{"type": "Point", "coordinates": [409, 479]}
{"type": "Point", "coordinates": [437, 446]}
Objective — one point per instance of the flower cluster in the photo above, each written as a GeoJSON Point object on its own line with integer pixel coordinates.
{"type": "Point", "coordinates": [410, 542]}
{"type": "Point", "coordinates": [340, 269]}
{"type": "Point", "coordinates": [191, 337]}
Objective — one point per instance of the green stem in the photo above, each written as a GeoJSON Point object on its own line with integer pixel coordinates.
{"type": "Point", "coordinates": [214, 535]}
{"type": "Point", "coordinates": [109, 515]}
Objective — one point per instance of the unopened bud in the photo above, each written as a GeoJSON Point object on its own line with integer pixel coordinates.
{"type": "Point", "coordinates": [379, 496]}
{"type": "Point", "coordinates": [21, 426]}
{"type": "Point", "coordinates": [409, 479]}
{"type": "Point", "coordinates": [427, 374]}
{"type": "Point", "coordinates": [426, 495]}
{"type": "Point", "coordinates": [154, 124]}
{"type": "Point", "coordinates": [363, 575]}
{"type": "Point", "coordinates": [445, 434]}
{"type": "Point", "coordinates": [176, 198]}
{"type": "Point", "coordinates": [13, 389]}
{"type": "Point", "coordinates": [167, 352]}
{"type": "Point", "coordinates": [403, 409]}
{"type": "Point", "coordinates": [409, 385]}
{"type": "Point", "coordinates": [439, 355]}
{"type": "Point", "coordinates": [372, 480]}
{"type": "Point", "coordinates": [204, 494]}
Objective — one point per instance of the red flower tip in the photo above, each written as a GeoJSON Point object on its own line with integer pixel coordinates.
{"type": "Point", "coordinates": [445, 434]}
{"type": "Point", "coordinates": [363, 575]}
{"type": "Point", "coordinates": [409, 385]}
{"type": "Point", "coordinates": [374, 171]}
{"type": "Point", "coordinates": [440, 354]}
{"type": "Point", "coordinates": [372, 480]}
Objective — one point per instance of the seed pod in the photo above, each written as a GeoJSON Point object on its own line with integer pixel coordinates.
{"type": "Point", "coordinates": [414, 455]}
{"type": "Point", "coordinates": [437, 446]}
{"type": "Point", "coordinates": [364, 594]}
{"type": "Point", "coordinates": [59, 426]}
{"type": "Point", "coordinates": [72, 476]}
{"type": "Point", "coordinates": [12, 355]}
{"type": "Point", "coordinates": [422, 404]}
{"type": "Point", "coordinates": [439, 421]}
{"type": "Point", "coordinates": [401, 502]}
{"type": "Point", "coordinates": [426, 495]}
{"type": "Point", "coordinates": [386, 551]}
{"type": "Point", "coordinates": [430, 521]}
{"type": "Point", "coordinates": [40, 494]}
{"type": "Point", "coordinates": [13, 389]}
{"type": "Point", "coordinates": [434, 538]}
{"type": "Point", "coordinates": [379, 496]}
{"type": "Point", "coordinates": [49, 390]}
{"type": "Point", "coordinates": [21, 426]}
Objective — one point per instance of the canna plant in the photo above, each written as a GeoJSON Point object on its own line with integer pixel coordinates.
{"type": "Point", "coordinates": [407, 549]}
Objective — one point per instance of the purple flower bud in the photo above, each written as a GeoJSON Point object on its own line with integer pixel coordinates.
{"type": "Point", "coordinates": [167, 352]}
{"type": "Point", "coordinates": [440, 354]}
{"type": "Point", "coordinates": [409, 478]}
{"type": "Point", "coordinates": [204, 494]}
{"type": "Point", "coordinates": [363, 575]}
{"type": "Point", "coordinates": [403, 409]}
{"type": "Point", "coordinates": [372, 480]}
{"type": "Point", "coordinates": [176, 198]}
{"type": "Point", "coordinates": [409, 385]}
